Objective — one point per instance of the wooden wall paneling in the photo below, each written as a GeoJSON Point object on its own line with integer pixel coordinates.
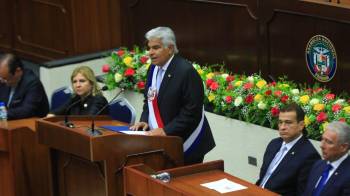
{"type": "Point", "coordinates": [42, 29]}
{"type": "Point", "coordinates": [95, 25]}
{"type": "Point", "coordinates": [207, 31]}
{"type": "Point", "coordinates": [290, 27]}
{"type": "Point", "coordinates": [6, 20]}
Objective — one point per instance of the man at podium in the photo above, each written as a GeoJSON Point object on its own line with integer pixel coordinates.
{"type": "Point", "coordinates": [174, 96]}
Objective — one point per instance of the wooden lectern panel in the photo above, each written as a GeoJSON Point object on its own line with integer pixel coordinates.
{"type": "Point", "coordinates": [24, 164]}
{"type": "Point", "coordinates": [92, 165]}
{"type": "Point", "coordinates": [185, 180]}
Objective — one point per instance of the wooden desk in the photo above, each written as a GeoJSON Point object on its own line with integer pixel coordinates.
{"type": "Point", "coordinates": [184, 181]}
{"type": "Point", "coordinates": [24, 164]}
{"type": "Point", "coordinates": [87, 165]}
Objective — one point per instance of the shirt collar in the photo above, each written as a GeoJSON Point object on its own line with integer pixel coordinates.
{"type": "Point", "coordinates": [166, 65]}
{"type": "Point", "coordinates": [335, 164]}
{"type": "Point", "coordinates": [289, 145]}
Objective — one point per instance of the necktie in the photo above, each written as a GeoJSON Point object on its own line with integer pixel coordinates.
{"type": "Point", "coordinates": [273, 164]}
{"type": "Point", "coordinates": [159, 78]}
{"type": "Point", "coordinates": [317, 191]}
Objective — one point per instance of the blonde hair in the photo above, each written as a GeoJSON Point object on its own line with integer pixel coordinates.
{"type": "Point", "coordinates": [89, 75]}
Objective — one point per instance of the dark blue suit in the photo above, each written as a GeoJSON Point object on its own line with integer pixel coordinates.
{"type": "Point", "coordinates": [180, 102]}
{"type": "Point", "coordinates": [290, 176]}
{"type": "Point", "coordinates": [29, 98]}
{"type": "Point", "coordinates": [337, 185]}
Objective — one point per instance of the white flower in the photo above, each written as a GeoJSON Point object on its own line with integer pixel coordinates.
{"type": "Point", "coordinates": [295, 98]}
{"type": "Point", "coordinates": [261, 105]}
{"type": "Point", "coordinates": [340, 101]}
{"type": "Point", "coordinates": [250, 78]}
{"type": "Point", "coordinates": [196, 66]}
{"type": "Point", "coordinates": [295, 91]}
{"type": "Point", "coordinates": [314, 101]}
{"type": "Point", "coordinates": [118, 77]}
{"type": "Point", "coordinates": [238, 101]}
{"type": "Point", "coordinates": [224, 76]}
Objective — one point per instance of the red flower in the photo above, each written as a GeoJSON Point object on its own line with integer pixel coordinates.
{"type": "Point", "coordinates": [214, 86]}
{"type": "Point", "coordinates": [249, 98]}
{"type": "Point", "coordinates": [228, 99]}
{"type": "Point", "coordinates": [268, 92]}
{"type": "Point", "coordinates": [248, 85]}
{"type": "Point", "coordinates": [278, 93]}
{"type": "Point", "coordinates": [106, 68]}
{"type": "Point", "coordinates": [284, 99]}
{"type": "Point", "coordinates": [275, 111]}
{"type": "Point", "coordinates": [144, 59]}
{"type": "Point", "coordinates": [330, 96]}
{"type": "Point", "coordinates": [317, 90]}
{"type": "Point", "coordinates": [342, 120]}
{"type": "Point", "coordinates": [230, 78]}
{"type": "Point", "coordinates": [120, 52]}
{"type": "Point", "coordinates": [336, 107]}
{"type": "Point", "coordinates": [272, 84]}
{"type": "Point", "coordinates": [129, 72]}
{"type": "Point", "coordinates": [321, 117]}
{"type": "Point", "coordinates": [229, 87]}
{"type": "Point", "coordinates": [141, 85]}
{"type": "Point", "coordinates": [209, 82]}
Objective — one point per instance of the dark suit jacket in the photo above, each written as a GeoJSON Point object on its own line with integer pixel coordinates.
{"type": "Point", "coordinates": [180, 102]}
{"type": "Point", "coordinates": [29, 98]}
{"type": "Point", "coordinates": [89, 106]}
{"type": "Point", "coordinates": [337, 185]}
{"type": "Point", "coordinates": [290, 176]}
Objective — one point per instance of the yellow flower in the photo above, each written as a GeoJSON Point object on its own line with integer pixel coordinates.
{"type": "Point", "coordinates": [324, 126]}
{"type": "Point", "coordinates": [128, 61]}
{"type": "Point", "coordinates": [347, 109]}
{"type": "Point", "coordinates": [319, 107]}
{"type": "Point", "coordinates": [284, 85]}
{"type": "Point", "coordinates": [211, 97]}
{"type": "Point", "coordinates": [210, 75]}
{"type": "Point", "coordinates": [238, 83]}
{"type": "Point", "coordinates": [258, 97]}
{"type": "Point", "coordinates": [147, 65]}
{"type": "Point", "coordinates": [261, 83]}
{"type": "Point", "coordinates": [304, 99]}
{"type": "Point", "coordinates": [200, 71]}
{"type": "Point", "coordinates": [307, 121]}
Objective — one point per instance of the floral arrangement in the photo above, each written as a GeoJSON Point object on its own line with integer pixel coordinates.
{"type": "Point", "coordinates": [127, 69]}
{"type": "Point", "coordinates": [247, 98]}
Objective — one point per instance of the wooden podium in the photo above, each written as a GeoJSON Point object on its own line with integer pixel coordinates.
{"type": "Point", "coordinates": [184, 181]}
{"type": "Point", "coordinates": [88, 165]}
{"type": "Point", "coordinates": [24, 164]}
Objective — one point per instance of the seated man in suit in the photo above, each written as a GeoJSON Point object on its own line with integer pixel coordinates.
{"type": "Point", "coordinates": [331, 176]}
{"type": "Point", "coordinates": [21, 89]}
{"type": "Point", "coordinates": [174, 98]}
{"type": "Point", "coordinates": [288, 159]}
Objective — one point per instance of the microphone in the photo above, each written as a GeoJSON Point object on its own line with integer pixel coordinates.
{"type": "Point", "coordinates": [66, 122]}
{"type": "Point", "coordinates": [92, 131]}
{"type": "Point", "coordinates": [104, 88]}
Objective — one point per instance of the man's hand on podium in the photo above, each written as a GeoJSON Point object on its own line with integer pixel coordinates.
{"type": "Point", "coordinates": [156, 132]}
{"type": "Point", "coordinates": [142, 126]}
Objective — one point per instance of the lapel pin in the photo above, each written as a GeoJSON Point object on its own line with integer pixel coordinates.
{"type": "Point", "coordinates": [85, 105]}
{"type": "Point", "coordinates": [293, 153]}
{"type": "Point", "coordinates": [335, 173]}
{"type": "Point", "coordinates": [169, 75]}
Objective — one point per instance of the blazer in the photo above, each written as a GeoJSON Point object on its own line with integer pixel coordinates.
{"type": "Point", "coordinates": [180, 102]}
{"type": "Point", "coordinates": [91, 105]}
{"type": "Point", "coordinates": [29, 98]}
{"type": "Point", "coordinates": [290, 176]}
{"type": "Point", "coordinates": [338, 184]}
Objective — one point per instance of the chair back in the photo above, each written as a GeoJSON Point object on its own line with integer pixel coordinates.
{"type": "Point", "coordinates": [122, 110]}
{"type": "Point", "coordinates": [60, 96]}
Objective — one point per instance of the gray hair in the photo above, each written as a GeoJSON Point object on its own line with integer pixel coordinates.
{"type": "Point", "coordinates": [342, 129]}
{"type": "Point", "coordinates": [165, 34]}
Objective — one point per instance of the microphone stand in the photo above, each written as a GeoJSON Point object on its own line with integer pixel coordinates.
{"type": "Point", "coordinates": [66, 122]}
{"type": "Point", "coordinates": [95, 132]}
